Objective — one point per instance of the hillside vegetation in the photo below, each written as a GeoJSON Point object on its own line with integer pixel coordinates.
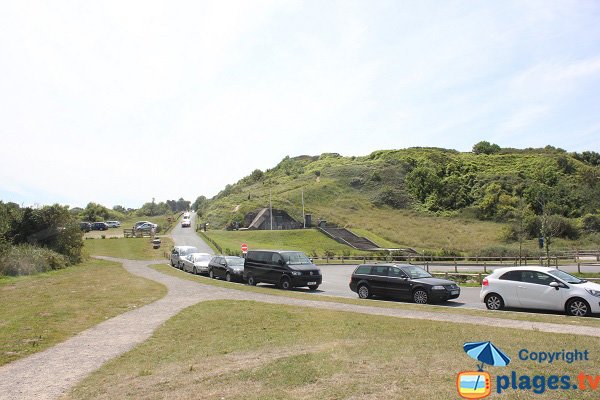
{"type": "Point", "coordinates": [433, 198]}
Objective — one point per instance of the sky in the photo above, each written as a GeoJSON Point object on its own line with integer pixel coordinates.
{"type": "Point", "coordinates": [120, 102]}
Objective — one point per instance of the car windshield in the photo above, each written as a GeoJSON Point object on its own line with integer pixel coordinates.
{"type": "Point", "coordinates": [202, 257]}
{"type": "Point", "coordinates": [416, 272]}
{"type": "Point", "coordinates": [295, 258]}
{"type": "Point", "coordinates": [565, 277]}
{"type": "Point", "coordinates": [235, 261]}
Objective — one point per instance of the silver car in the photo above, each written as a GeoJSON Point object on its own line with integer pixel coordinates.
{"type": "Point", "coordinates": [179, 252]}
{"type": "Point", "coordinates": [196, 263]}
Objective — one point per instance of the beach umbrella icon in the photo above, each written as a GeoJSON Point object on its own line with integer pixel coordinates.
{"type": "Point", "coordinates": [486, 353]}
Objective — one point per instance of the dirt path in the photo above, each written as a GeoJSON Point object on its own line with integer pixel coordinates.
{"type": "Point", "coordinates": [49, 374]}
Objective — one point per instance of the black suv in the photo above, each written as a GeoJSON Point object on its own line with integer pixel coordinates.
{"type": "Point", "coordinates": [99, 226]}
{"type": "Point", "coordinates": [287, 269]}
{"type": "Point", "coordinates": [401, 281]}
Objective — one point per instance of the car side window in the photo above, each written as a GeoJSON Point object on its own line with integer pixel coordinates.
{"type": "Point", "coordinates": [512, 276]}
{"type": "Point", "coordinates": [275, 258]}
{"type": "Point", "coordinates": [539, 278]}
{"type": "Point", "coordinates": [380, 270]}
{"type": "Point", "coordinates": [363, 270]}
{"type": "Point", "coordinates": [397, 273]}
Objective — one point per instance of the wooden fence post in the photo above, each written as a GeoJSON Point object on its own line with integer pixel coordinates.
{"type": "Point", "coordinates": [455, 266]}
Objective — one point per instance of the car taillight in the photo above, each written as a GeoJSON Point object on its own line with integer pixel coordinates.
{"type": "Point", "coordinates": [485, 282]}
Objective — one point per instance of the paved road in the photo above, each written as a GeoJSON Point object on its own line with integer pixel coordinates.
{"type": "Point", "coordinates": [188, 237]}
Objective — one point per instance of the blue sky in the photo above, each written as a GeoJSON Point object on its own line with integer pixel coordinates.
{"type": "Point", "coordinates": [119, 102]}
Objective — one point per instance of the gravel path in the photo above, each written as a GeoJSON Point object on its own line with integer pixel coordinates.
{"type": "Point", "coordinates": [49, 374]}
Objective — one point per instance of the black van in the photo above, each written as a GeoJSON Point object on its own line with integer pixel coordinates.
{"type": "Point", "coordinates": [287, 269]}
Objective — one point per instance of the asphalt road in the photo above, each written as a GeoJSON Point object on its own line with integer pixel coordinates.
{"type": "Point", "coordinates": [188, 237]}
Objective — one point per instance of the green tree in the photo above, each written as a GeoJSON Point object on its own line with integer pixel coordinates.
{"type": "Point", "coordinates": [485, 147]}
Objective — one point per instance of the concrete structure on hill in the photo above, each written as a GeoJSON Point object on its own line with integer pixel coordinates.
{"type": "Point", "coordinates": [261, 220]}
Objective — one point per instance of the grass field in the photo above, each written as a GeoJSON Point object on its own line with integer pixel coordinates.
{"type": "Point", "coordinates": [306, 240]}
{"type": "Point", "coordinates": [130, 248]}
{"type": "Point", "coordinates": [249, 350]}
{"type": "Point", "coordinates": [42, 310]}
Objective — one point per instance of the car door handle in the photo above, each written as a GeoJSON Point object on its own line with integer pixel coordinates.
{"type": "Point", "coordinates": [522, 287]}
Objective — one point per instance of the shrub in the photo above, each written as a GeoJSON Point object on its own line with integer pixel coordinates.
{"type": "Point", "coordinates": [591, 223]}
{"type": "Point", "coordinates": [28, 260]}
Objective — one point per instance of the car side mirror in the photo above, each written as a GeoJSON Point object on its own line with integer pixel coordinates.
{"type": "Point", "coordinates": [555, 285]}
{"type": "Point", "coordinates": [280, 262]}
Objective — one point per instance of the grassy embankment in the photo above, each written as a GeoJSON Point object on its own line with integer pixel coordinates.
{"type": "Point", "coordinates": [251, 350]}
{"type": "Point", "coordinates": [40, 311]}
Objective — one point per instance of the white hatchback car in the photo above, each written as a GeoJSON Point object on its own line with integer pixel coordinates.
{"type": "Point", "coordinates": [540, 288]}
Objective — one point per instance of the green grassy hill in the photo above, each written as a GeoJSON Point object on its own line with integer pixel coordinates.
{"type": "Point", "coordinates": [426, 198]}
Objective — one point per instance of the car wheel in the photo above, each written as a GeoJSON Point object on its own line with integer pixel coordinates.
{"type": "Point", "coordinates": [285, 283]}
{"type": "Point", "coordinates": [228, 277]}
{"type": "Point", "coordinates": [172, 264]}
{"type": "Point", "coordinates": [578, 308]}
{"type": "Point", "coordinates": [313, 287]}
{"type": "Point", "coordinates": [195, 271]}
{"type": "Point", "coordinates": [211, 274]}
{"type": "Point", "coordinates": [494, 301]}
{"type": "Point", "coordinates": [364, 292]}
{"type": "Point", "coordinates": [420, 296]}
{"type": "Point", "coordinates": [251, 280]}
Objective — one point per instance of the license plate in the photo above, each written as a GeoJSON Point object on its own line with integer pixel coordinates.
{"type": "Point", "coordinates": [311, 283]}
{"type": "Point", "coordinates": [454, 292]}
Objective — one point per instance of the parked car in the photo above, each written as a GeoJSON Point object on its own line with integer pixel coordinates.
{"type": "Point", "coordinates": [229, 267]}
{"type": "Point", "coordinates": [286, 269]}
{"type": "Point", "coordinates": [113, 224]}
{"type": "Point", "coordinates": [148, 226]}
{"type": "Point", "coordinates": [541, 288]}
{"type": "Point", "coordinates": [408, 282]}
{"type": "Point", "coordinates": [85, 226]}
{"type": "Point", "coordinates": [144, 223]}
{"type": "Point", "coordinates": [99, 226]}
{"type": "Point", "coordinates": [179, 252]}
{"type": "Point", "coordinates": [196, 263]}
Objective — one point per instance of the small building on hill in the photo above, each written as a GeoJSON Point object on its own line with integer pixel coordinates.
{"type": "Point", "coordinates": [261, 220]}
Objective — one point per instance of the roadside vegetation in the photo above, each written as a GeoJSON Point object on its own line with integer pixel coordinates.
{"type": "Point", "coordinates": [435, 200]}
{"type": "Point", "coordinates": [128, 248]}
{"type": "Point", "coordinates": [34, 240]}
{"type": "Point", "coordinates": [249, 350]}
{"type": "Point", "coordinates": [40, 311]}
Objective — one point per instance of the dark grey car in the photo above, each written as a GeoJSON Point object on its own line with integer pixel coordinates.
{"type": "Point", "coordinates": [408, 282]}
{"type": "Point", "coordinates": [230, 268]}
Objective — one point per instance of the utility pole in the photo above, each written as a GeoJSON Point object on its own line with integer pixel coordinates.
{"type": "Point", "coordinates": [271, 208]}
{"type": "Point", "coordinates": [303, 216]}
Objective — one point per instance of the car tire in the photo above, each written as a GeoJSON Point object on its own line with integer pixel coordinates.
{"type": "Point", "coordinates": [420, 296]}
{"type": "Point", "coordinates": [285, 283]}
{"type": "Point", "coordinates": [172, 264]}
{"type": "Point", "coordinates": [364, 292]}
{"type": "Point", "coordinates": [494, 301]}
{"type": "Point", "coordinates": [251, 280]}
{"type": "Point", "coordinates": [578, 308]}
{"type": "Point", "coordinates": [228, 277]}
{"type": "Point", "coordinates": [312, 288]}
{"type": "Point", "coordinates": [195, 271]}
{"type": "Point", "coordinates": [211, 274]}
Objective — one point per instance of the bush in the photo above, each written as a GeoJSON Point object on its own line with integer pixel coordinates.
{"type": "Point", "coordinates": [591, 223]}
{"type": "Point", "coordinates": [28, 260]}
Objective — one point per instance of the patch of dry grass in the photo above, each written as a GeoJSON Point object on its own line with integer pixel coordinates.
{"type": "Point", "coordinates": [40, 311]}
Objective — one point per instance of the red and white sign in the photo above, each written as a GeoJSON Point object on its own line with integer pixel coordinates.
{"type": "Point", "coordinates": [244, 248]}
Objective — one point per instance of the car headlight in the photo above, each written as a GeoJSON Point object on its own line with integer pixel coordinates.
{"type": "Point", "coordinates": [437, 288]}
{"type": "Point", "coordinates": [296, 273]}
{"type": "Point", "coordinates": [593, 292]}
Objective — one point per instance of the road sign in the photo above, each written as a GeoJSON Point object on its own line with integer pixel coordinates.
{"type": "Point", "coordinates": [244, 248]}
